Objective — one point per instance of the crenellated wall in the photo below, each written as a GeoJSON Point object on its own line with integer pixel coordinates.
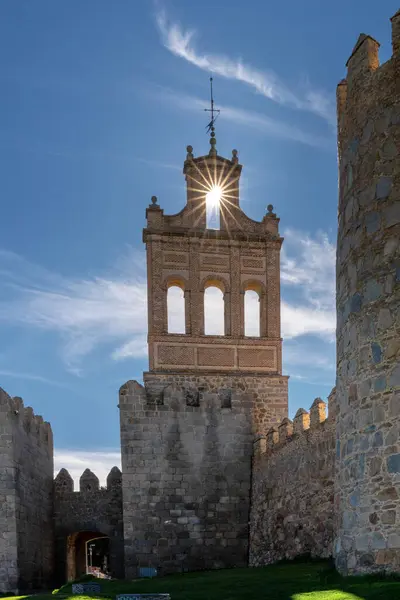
{"type": "Point", "coordinates": [92, 510]}
{"type": "Point", "coordinates": [26, 498]}
{"type": "Point", "coordinates": [368, 311]}
{"type": "Point", "coordinates": [292, 487]}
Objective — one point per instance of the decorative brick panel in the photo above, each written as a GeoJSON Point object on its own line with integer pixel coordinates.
{"type": "Point", "coordinates": [175, 258]}
{"type": "Point", "coordinates": [216, 357]}
{"type": "Point", "coordinates": [252, 263]}
{"type": "Point", "coordinates": [257, 357]}
{"type": "Point", "coordinates": [175, 355]}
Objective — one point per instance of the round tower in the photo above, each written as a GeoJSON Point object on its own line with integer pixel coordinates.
{"type": "Point", "coordinates": [367, 493]}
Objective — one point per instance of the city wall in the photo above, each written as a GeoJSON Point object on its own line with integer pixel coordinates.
{"type": "Point", "coordinates": [368, 311]}
{"type": "Point", "coordinates": [80, 516]}
{"type": "Point", "coordinates": [292, 501]}
{"type": "Point", "coordinates": [26, 498]}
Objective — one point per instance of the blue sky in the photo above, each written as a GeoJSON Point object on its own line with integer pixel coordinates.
{"type": "Point", "coordinates": [99, 100]}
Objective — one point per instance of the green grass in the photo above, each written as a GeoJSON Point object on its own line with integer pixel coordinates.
{"type": "Point", "coordinates": [284, 581]}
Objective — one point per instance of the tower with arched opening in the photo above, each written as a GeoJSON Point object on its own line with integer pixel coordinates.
{"type": "Point", "coordinates": [214, 382]}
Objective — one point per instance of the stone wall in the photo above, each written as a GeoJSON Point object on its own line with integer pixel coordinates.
{"type": "Point", "coordinates": [26, 498]}
{"type": "Point", "coordinates": [186, 460]}
{"type": "Point", "coordinates": [92, 510]}
{"type": "Point", "coordinates": [368, 312]}
{"type": "Point", "coordinates": [292, 488]}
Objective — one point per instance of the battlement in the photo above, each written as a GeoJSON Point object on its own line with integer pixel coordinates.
{"type": "Point", "coordinates": [304, 423]}
{"type": "Point", "coordinates": [366, 79]}
{"type": "Point", "coordinates": [23, 418]}
{"type": "Point", "coordinates": [365, 54]}
{"type": "Point", "coordinates": [159, 394]}
{"type": "Point", "coordinates": [88, 482]}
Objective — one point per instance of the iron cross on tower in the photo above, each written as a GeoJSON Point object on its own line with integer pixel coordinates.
{"type": "Point", "coordinates": [210, 127]}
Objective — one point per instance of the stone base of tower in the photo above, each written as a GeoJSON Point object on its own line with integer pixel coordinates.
{"type": "Point", "coordinates": [186, 442]}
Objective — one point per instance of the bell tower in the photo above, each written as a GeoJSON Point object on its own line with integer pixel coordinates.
{"type": "Point", "coordinates": [187, 434]}
{"type": "Point", "coordinates": [237, 254]}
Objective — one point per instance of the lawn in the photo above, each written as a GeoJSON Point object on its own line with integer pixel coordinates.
{"type": "Point", "coordinates": [290, 581]}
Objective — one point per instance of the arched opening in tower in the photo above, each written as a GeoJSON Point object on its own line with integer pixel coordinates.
{"type": "Point", "coordinates": [176, 309]}
{"type": "Point", "coordinates": [213, 207]}
{"type": "Point", "coordinates": [214, 311]}
{"type": "Point", "coordinates": [251, 313]}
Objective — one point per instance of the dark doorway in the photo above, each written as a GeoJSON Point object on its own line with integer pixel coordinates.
{"type": "Point", "coordinates": [87, 552]}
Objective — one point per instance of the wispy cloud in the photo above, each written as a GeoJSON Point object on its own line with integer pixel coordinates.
{"type": "Point", "coordinates": [181, 43]}
{"type": "Point", "coordinates": [76, 461]}
{"type": "Point", "coordinates": [308, 283]}
{"type": "Point", "coordinates": [261, 123]}
{"type": "Point", "coordinates": [110, 311]}
{"type": "Point", "coordinates": [35, 147]}
{"type": "Point", "coordinates": [31, 377]}
{"type": "Point", "coordinates": [85, 312]}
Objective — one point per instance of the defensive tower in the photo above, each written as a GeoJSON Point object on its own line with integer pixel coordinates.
{"type": "Point", "coordinates": [186, 436]}
{"type": "Point", "coordinates": [368, 311]}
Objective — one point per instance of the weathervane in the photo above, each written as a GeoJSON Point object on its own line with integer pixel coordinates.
{"type": "Point", "coordinates": [210, 127]}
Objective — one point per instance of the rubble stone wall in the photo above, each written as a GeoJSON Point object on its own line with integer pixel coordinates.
{"type": "Point", "coordinates": [292, 488]}
{"type": "Point", "coordinates": [368, 312]}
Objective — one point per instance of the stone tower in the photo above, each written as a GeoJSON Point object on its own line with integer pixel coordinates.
{"type": "Point", "coordinates": [368, 311]}
{"type": "Point", "coordinates": [186, 435]}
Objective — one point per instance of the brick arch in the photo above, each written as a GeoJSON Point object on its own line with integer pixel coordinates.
{"type": "Point", "coordinates": [215, 281]}
{"type": "Point", "coordinates": [175, 281]}
{"type": "Point", "coordinates": [254, 285]}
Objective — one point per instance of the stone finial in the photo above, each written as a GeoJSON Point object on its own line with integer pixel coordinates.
{"type": "Point", "coordinates": [114, 478]}
{"type": "Point", "coordinates": [154, 200]}
{"type": "Point", "coordinates": [189, 155]}
{"type": "Point", "coordinates": [272, 437]}
{"type": "Point", "coordinates": [317, 412]}
{"type": "Point", "coordinates": [301, 421]}
{"type": "Point", "coordinates": [396, 32]}
{"type": "Point", "coordinates": [63, 482]}
{"type": "Point", "coordinates": [270, 211]}
{"type": "Point", "coordinates": [285, 430]}
{"type": "Point", "coordinates": [88, 482]}
{"type": "Point", "coordinates": [235, 158]}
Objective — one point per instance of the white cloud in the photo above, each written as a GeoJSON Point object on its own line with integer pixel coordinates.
{"type": "Point", "coordinates": [76, 461]}
{"type": "Point", "coordinates": [260, 123]}
{"type": "Point", "coordinates": [308, 268]}
{"type": "Point", "coordinates": [180, 42]}
{"type": "Point", "coordinates": [111, 310]}
{"type": "Point", "coordinates": [85, 312]}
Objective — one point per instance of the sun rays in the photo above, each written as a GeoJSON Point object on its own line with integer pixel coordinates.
{"type": "Point", "coordinates": [214, 192]}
